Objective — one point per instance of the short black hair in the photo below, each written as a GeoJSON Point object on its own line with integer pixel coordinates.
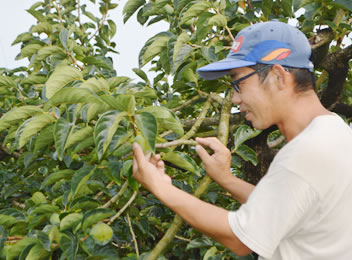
{"type": "Point", "coordinates": [305, 79]}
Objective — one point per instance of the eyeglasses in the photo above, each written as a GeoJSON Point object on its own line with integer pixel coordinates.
{"type": "Point", "coordinates": [235, 83]}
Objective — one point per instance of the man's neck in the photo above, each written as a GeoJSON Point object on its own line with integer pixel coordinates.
{"type": "Point", "coordinates": [299, 113]}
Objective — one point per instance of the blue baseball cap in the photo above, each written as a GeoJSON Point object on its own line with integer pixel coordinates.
{"type": "Point", "coordinates": [270, 42]}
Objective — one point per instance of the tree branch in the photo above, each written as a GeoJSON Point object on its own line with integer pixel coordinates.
{"type": "Point", "coordinates": [112, 219]}
{"type": "Point", "coordinates": [133, 235]}
{"type": "Point", "coordinates": [337, 65]}
{"type": "Point", "coordinates": [343, 109]}
{"type": "Point", "coordinates": [117, 196]}
{"type": "Point", "coordinates": [176, 143]}
{"type": "Point", "coordinates": [204, 183]}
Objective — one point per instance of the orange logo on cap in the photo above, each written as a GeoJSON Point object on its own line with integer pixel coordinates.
{"type": "Point", "coordinates": [278, 54]}
{"type": "Point", "coordinates": [236, 46]}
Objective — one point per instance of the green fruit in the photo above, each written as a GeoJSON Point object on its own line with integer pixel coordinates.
{"type": "Point", "coordinates": [102, 233]}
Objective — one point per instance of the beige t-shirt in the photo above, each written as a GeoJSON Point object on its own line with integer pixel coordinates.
{"type": "Point", "coordinates": [302, 208]}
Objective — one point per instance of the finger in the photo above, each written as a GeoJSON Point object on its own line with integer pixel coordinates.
{"type": "Point", "coordinates": [134, 167]}
{"type": "Point", "coordinates": [160, 165]}
{"type": "Point", "coordinates": [212, 142]}
{"type": "Point", "coordinates": [154, 160]}
{"type": "Point", "coordinates": [138, 155]}
{"type": "Point", "coordinates": [202, 153]}
{"type": "Point", "coordinates": [148, 155]}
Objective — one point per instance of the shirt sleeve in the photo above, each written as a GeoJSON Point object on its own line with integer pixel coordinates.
{"type": "Point", "coordinates": [278, 204]}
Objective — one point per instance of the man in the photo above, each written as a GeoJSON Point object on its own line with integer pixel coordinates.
{"type": "Point", "coordinates": [301, 209]}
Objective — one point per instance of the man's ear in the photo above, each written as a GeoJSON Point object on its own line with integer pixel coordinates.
{"type": "Point", "coordinates": [281, 76]}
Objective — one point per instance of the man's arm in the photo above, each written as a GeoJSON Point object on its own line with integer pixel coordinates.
{"type": "Point", "coordinates": [218, 166]}
{"type": "Point", "coordinates": [207, 218]}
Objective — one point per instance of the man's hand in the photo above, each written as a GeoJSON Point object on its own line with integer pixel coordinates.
{"type": "Point", "coordinates": [218, 164]}
{"type": "Point", "coordinates": [147, 170]}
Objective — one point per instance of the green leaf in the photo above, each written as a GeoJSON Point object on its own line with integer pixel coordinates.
{"type": "Point", "coordinates": [247, 154]}
{"type": "Point", "coordinates": [62, 75]}
{"type": "Point", "coordinates": [127, 172]}
{"type": "Point", "coordinates": [84, 203]}
{"type": "Point", "coordinates": [345, 4]}
{"type": "Point", "coordinates": [94, 216]}
{"type": "Point", "coordinates": [182, 55]}
{"type": "Point", "coordinates": [78, 136]}
{"type": "Point", "coordinates": [105, 128]}
{"type": "Point", "coordinates": [182, 39]}
{"type": "Point", "coordinates": [148, 126]}
{"type": "Point", "coordinates": [39, 198]}
{"type": "Point", "coordinates": [64, 34]}
{"type": "Point", "coordinates": [70, 220]}
{"type": "Point", "coordinates": [116, 81]}
{"type": "Point", "coordinates": [31, 127]}
{"type": "Point", "coordinates": [80, 178]}
{"type": "Point", "coordinates": [18, 114]}
{"type": "Point", "coordinates": [154, 49]}
{"type": "Point", "coordinates": [99, 62]}
{"type": "Point", "coordinates": [95, 85]}
{"type": "Point", "coordinates": [44, 139]}
{"type": "Point", "coordinates": [195, 10]}
{"type": "Point", "coordinates": [46, 51]}
{"type": "Point", "coordinates": [43, 27]}
{"type": "Point", "coordinates": [288, 7]}
{"type": "Point", "coordinates": [167, 120]}
{"type": "Point", "coordinates": [37, 252]}
{"type": "Point", "coordinates": [121, 102]}
{"type": "Point", "coordinates": [218, 20]}
{"type": "Point", "coordinates": [7, 221]}
{"type": "Point", "coordinates": [181, 160]}
{"type": "Point", "coordinates": [266, 7]}
{"type": "Point", "coordinates": [141, 74]}
{"type": "Point", "coordinates": [243, 133]}
{"type": "Point", "coordinates": [62, 130]}
{"type": "Point", "coordinates": [15, 250]}
{"type": "Point", "coordinates": [112, 28]}
{"type": "Point", "coordinates": [43, 209]}
{"type": "Point", "coordinates": [72, 96]}
{"type": "Point", "coordinates": [56, 176]}
{"type": "Point", "coordinates": [69, 246]}
{"type": "Point", "coordinates": [38, 15]}
{"type": "Point", "coordinates": [7, 82]}
{"type": "Point", "coordinates": [130, 8]}
{"type": "Point", "coordinates": [29, 50]}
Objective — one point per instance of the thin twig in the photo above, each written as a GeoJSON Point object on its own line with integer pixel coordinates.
{"type": "Point", "coordinates": [199, 121]}
{"type": "Point", "coordinates": [230, 33]}
{"type": "Point", "coordinates": [176, 143]}
{"type": "Point", "coordinates": [101, 193]}
{"type": "Point", "coordinates": [183, 239]}
{"type": "Point", "coordinates": [166, 133]}
{"type": "Point", "coordinates": [79, 12]}
{"type": "Point", "coordinates": [112, 219]}
{"type": "Point", "coordinates": [187, 103]}
{"type": "Point", "coordinates": [99, 27]}
{"type": "Point", "coordinates": [74, 60]}
{"type": "Point", "coordinates": [133, 235]}
{"type": "Point", "coordinates": [117, 196]}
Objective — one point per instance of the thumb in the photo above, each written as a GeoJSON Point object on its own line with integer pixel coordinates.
{"type": "Point", "coordinates": [203, 154]}
{"type": "Point", "coordinates": [138, 154]}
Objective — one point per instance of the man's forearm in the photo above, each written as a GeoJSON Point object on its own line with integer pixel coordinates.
{"type": "Point", "coordinates": [239, 189]}
{"type": "Point", "coordinates": [207, 218]}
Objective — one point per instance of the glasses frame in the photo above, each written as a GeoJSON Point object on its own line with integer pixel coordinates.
{"type": "Point", "coordinates": [235, 83]}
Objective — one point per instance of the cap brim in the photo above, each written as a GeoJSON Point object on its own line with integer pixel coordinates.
{"type": "Point", "coordinates": [221, 68]}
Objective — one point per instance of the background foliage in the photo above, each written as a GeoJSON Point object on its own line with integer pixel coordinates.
{"type": "Point", "coordinates": [68, 122]}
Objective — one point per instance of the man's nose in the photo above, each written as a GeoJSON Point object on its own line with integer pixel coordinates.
{"type": "Point", "coordinates": [236, 98]}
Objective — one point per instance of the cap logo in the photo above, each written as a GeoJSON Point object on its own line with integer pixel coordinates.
{"type": "Point", "coordinates": [278, 54]}
{"type": "Point", "coordinates": [236, 46]}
